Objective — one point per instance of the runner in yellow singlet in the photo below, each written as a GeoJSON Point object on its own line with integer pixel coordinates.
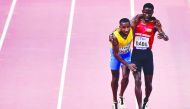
{"type": "Point", "coordinates": [120, 56]}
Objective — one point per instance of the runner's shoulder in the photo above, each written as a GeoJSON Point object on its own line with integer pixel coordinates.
{"type": "Point", "coordinates": [137, 17]}
{"type": "Point", "coordinates": [156, 21]}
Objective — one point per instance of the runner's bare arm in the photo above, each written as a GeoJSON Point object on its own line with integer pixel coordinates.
{"type": "Point", "coordinates": [161, 33]}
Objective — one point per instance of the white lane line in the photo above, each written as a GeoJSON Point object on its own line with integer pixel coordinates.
{"type": "Point", "coordinates": [132, 6]}
{"type": "Point", "coordinates": [8, 20]}
{"type": "Point", "coordinates": [61, 89]}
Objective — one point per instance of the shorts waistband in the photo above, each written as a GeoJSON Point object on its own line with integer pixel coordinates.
{"type": "Point", "coordinates": [148, 49]}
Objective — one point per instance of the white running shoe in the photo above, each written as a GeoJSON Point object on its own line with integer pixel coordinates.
{"type": "Point", "coordinates": [121, 103]}
{"type": "Point", "coordinates": [145, 104]}
{"type": "Point", "coordinates": [115, 105]}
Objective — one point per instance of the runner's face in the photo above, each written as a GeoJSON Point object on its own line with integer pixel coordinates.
{"type": "Point", "coordinates": [125, 27]}
{"type": "Point", "coordinates": [147, 13]}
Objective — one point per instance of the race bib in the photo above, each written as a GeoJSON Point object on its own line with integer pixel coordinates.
{"type": "Point", "coordinates": [141, 42]}
{"type": "Point", "coordinates": [125, 49]}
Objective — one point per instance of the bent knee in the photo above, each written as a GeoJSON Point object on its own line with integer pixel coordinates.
{"type": "Point", "coordinates": [149, 86]}
{"type": "Point", "coordinates": [115, 79]}
{"type": "Point", "coordinates": [125, 77]}
{"type": "Point", "coordinates": [138, 83]}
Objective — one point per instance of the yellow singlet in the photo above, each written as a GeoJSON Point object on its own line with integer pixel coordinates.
{"type": "Point", "coordinates": [124, 44]}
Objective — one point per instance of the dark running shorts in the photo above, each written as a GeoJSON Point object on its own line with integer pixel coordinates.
{"type": "Point", "coordinates": [143, 60]}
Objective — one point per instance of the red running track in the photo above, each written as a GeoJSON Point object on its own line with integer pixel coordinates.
{"type": "Point", "coordinates": [32, 55]}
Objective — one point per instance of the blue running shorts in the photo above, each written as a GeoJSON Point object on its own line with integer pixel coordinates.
{"type": "Point", "coordinates": [115, 64]}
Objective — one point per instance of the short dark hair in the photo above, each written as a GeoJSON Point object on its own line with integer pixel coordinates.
{"type": "Point", "coordinates": [124, 20]}
{"type": "Point", "coordinates": [148, 5]}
